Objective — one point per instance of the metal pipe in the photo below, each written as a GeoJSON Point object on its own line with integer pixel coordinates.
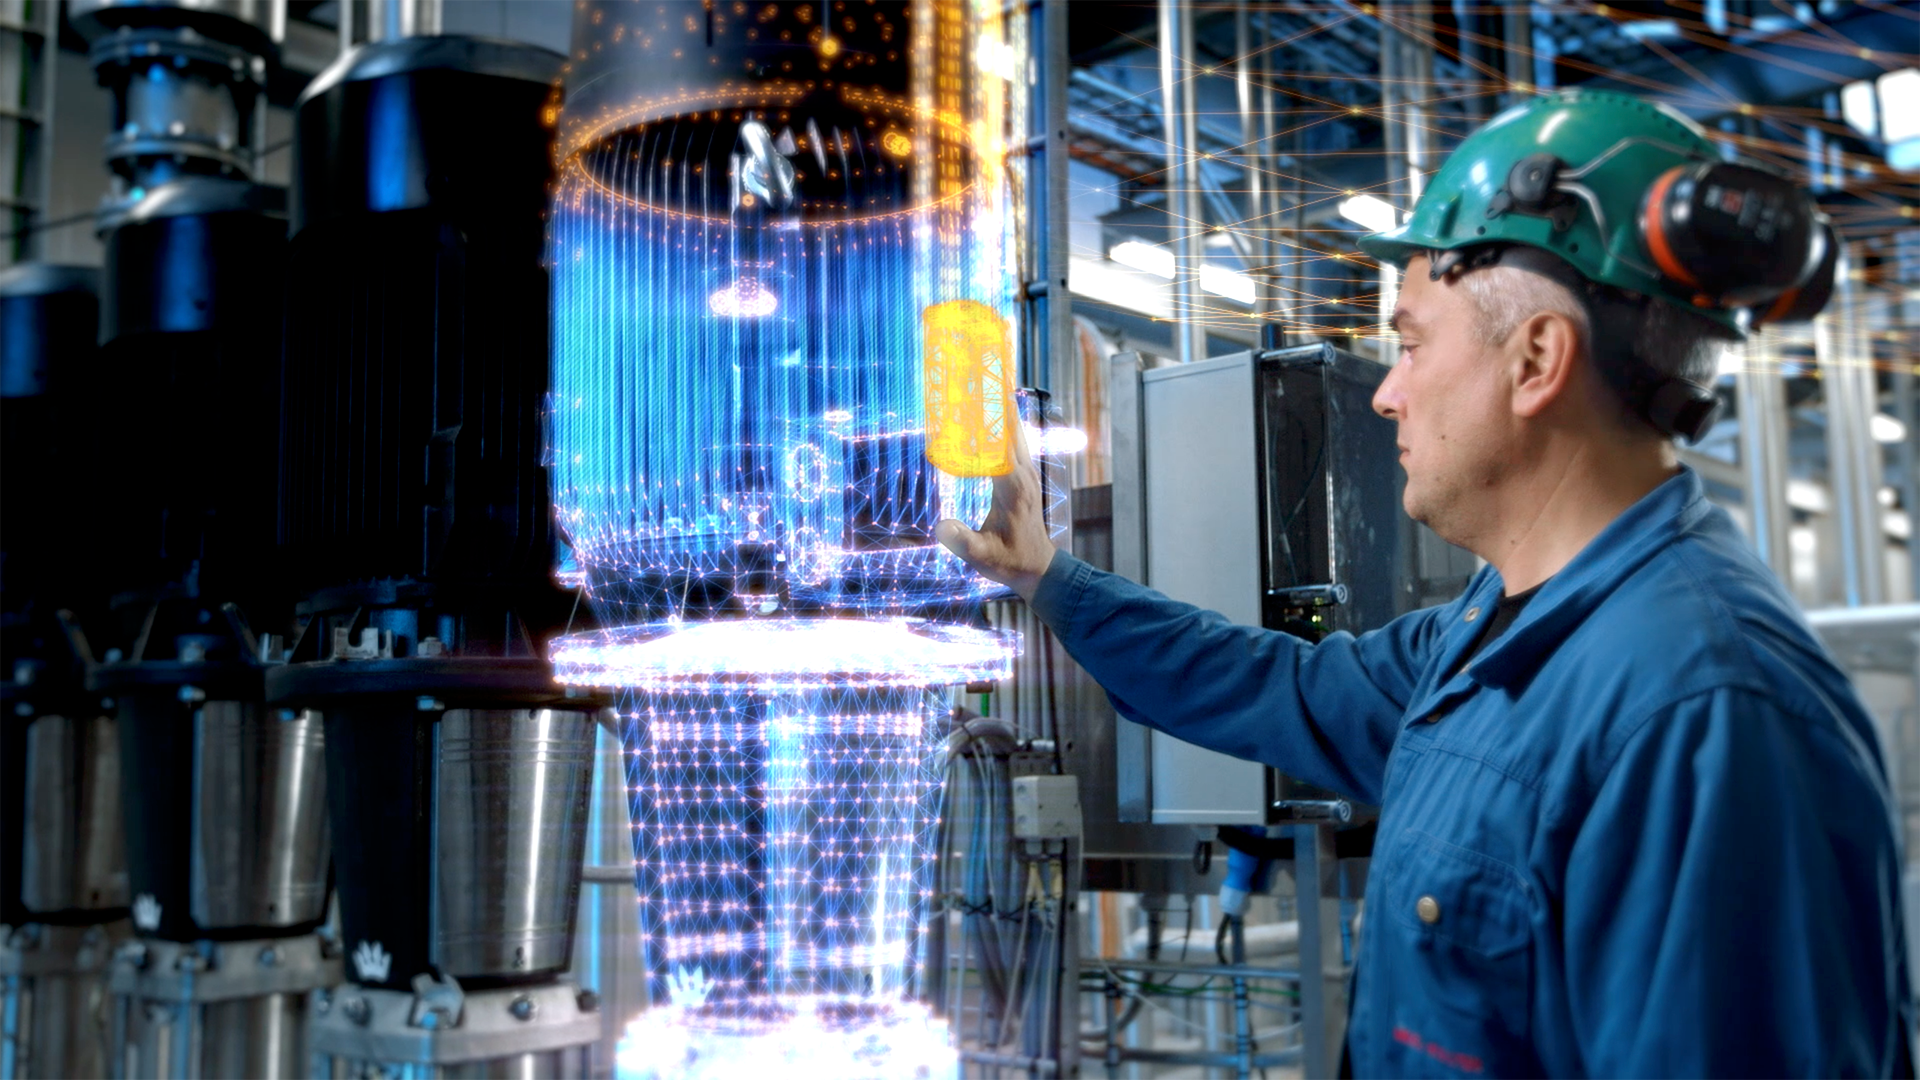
{"type": "Point", "coordinates": [388, 20]}
{"type": "Point", "coordinates": [1323, 986]}
{"type": "Point", "coordinates": [1519, 52]}
{"type": "Point", "coordinates": [346, 26]}
{"type": "Point", "coordinates": [1174, 967]}
{"type": "Point", "coordinates": [1762, 402]}
{"type": "Point", "coordinates": [1853, 458]}
{"type": "Point", "coordinates": [49, 82]}
{"type": "Point", "coordinates": [1253, 159]}
{"type": "Point", "coordinates": [1906, 405]}
{"type": "Point", "coordinates": [1394, 137]}
{"type": "Point", "coordinates": [1418, 64]}
{"type": "Point", "coordinates": [1183, 191]}
{"type": "Point", "coordinates": [1270, 213]}
{"type": "Point", "coordinates": [1289, 1056]}
{"type": "Point", "coordinates": [1042, 1066]}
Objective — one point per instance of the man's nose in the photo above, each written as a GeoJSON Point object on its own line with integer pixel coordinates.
{"type": "Point", "coordinates": [1390, 400]}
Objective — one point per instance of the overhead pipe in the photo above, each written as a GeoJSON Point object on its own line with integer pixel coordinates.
{"type": "Point", "coordinates": [1762, 402]}
{"type": "Point", "coordinates": [1183, 168]}
{"type": "Point", "coordinates": [1853, 458]}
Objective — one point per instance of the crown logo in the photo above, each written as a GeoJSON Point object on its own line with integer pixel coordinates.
{"type": "Point", "coordinates": [688, 987]}
{"type": "Point", "coordinates": [371, 962]}
{"type": "Point", "coordinates": [146, 912]}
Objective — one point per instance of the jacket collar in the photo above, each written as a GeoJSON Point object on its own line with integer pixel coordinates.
{"type": "Point", "coordinates": [1568, 597]}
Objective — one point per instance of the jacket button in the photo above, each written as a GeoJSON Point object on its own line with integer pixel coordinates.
{"type": "Point", "coordinates": [1428, 909]}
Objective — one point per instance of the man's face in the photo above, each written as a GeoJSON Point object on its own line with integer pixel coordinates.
{"type": "Point", "coordinates": [1447, 395]}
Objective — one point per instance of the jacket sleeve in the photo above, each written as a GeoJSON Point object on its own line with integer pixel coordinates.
{"type": "Point", "coordinates": [1325, 713]}
{"type": "Point", "coordinates": [1732, 902]}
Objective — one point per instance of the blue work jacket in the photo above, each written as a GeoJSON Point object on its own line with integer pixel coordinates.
{"type": "Point", "coordinates": [1645, 832]}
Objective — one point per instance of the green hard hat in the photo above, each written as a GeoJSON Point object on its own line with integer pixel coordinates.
{"type": "Point", "coordinates": [1501, 185]}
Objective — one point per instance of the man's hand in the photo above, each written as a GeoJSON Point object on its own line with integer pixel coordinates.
{"type": "Point", "coordinates": [1011, 546]}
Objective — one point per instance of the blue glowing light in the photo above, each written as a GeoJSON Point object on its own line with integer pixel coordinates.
{"type": "Point", "coordinates": [737, 392]}
{"type": "Point", "coordinates": [747, 298]}
{"type": "Point", "coordinates": [738, 443]}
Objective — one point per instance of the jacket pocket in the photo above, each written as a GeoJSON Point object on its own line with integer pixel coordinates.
{"type": "Point", "coordinates": [1458, 946]}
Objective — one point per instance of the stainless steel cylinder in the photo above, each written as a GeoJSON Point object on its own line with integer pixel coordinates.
{"type": "Point", "coordinates": [58, 1013]}
{"type": "Point", "coordinates": [212, 1010]}
{"type": "Point", "coordinates": [511, 819]}
{"type": "Point", "coordinates": [260, 823]}
{"type": "Point", "coordinates": [72, 856]}
{"type": "Point", "coordinates": [262, 1038]}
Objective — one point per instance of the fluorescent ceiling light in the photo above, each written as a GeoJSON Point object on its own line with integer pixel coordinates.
{"type": "Point", "coordinates": [1900, 105]}
{"type": "Point", "coordinates": [1108, 283]}
{"type": "Point", "coordinates": [1856, 105]}
{"type": "Point", "coordinates": [1887, 429]}
{"type": "Point", "coordinates": [1231, 284]}
{"type": "Point", "coordinates": [1145, 258]}
{"type": "Point", "coordinates": [1372, 211]}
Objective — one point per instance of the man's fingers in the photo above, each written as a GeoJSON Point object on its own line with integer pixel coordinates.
{"type": "Point", "coordinates": [956, 537]}
{"type": "Point", "coordinates": [1006, 485]}
{"type": "Point", "coordinates": [1022, 454]}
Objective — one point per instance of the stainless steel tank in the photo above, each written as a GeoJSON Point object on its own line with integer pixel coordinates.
{"type": "Point", "coordinates": [260, 822]}
{"type": "Point", "coordinates": [511, 821]}
{"type": "Point", "coordinates": [72, 852]}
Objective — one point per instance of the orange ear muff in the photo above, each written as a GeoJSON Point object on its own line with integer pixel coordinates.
{"type": "Point", "coordinates": [1653, 226]}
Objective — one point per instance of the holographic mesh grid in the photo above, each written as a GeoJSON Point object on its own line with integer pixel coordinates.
{"type": "Point", "coordinates": [782, 841]}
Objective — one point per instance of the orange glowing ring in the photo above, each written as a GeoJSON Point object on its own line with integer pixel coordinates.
{"type": "Point", "coordinates": [764, 96]}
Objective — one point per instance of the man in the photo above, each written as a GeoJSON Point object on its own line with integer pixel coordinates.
{"type": "Point", "coordinates": [1634, 820]}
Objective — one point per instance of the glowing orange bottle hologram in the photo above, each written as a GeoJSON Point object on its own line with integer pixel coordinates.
{"type": "Point", "coordinates": [968, 384]}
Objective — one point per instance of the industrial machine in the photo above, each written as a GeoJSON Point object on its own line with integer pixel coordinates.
{"type": "Point", "coordinates": [416, 526]}
{"type": "Point", "coordinates": [224, 822]}
{"type": "Point", "coordinates": [63, 872]}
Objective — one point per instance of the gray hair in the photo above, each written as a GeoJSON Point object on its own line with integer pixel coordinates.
{"type": "Point", "coordinates": [1672, 341]}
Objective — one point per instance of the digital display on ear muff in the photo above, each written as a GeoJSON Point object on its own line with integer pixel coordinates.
{"type": "Point", "coordinates": [1737, 235]}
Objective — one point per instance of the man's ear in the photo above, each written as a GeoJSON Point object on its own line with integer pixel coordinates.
{"type": "Point", "coordinates": [1543, 354]}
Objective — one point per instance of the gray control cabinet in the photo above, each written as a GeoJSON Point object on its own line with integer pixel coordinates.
{"type": "Point", "coordinates": [1263, 486]}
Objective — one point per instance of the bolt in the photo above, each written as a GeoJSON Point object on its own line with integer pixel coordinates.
{"type": "Point", "coordinates": [430, 704]}
{"type": "Point", "coordinates": [588, 1001]}
{"type": "Point", "coordinates": [522, 1008]}
{"type": "Point", "coordinates": [23, 709]}
{"type": "Point", "coordinates": [323, 1001]}
{"type": "Point", "coordinates": [269, 957]}
{"type": "Point", "coordinates": [358, 1010]}
{"type": "Point", "coordinates": [192, 695]}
